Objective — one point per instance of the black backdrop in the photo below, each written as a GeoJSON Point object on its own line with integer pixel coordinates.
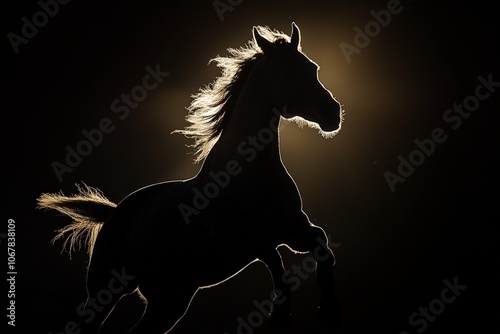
{"type": "Point", "coordinates": [395, 248]}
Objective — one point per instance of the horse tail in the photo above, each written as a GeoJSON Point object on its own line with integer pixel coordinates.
{"type": "Point", "coordinates": [89, 209]}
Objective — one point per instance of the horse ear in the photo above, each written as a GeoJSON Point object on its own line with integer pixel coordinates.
{"type": "Point", "coordinates": [295, 39]}
{"type": "Point", "coordinates": [263, 43]}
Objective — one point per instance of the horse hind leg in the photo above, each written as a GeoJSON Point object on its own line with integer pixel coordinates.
{"type": "Point", "coordinates": [104, 288]}
{"type": "Point", "coordinates": [166, 305]}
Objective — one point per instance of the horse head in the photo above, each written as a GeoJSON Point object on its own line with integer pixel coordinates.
{"type": "Point", "coordinates": [293, 84]}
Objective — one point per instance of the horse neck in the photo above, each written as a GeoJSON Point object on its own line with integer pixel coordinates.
{"type": "Point", "coordinates": [251, 136]}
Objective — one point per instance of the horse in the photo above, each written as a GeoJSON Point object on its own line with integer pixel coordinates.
{"type": "Point", "coordinates": [168, 240]}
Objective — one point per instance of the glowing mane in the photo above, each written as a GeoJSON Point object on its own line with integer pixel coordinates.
{"type": "Point", "coordinates": [212, 105]}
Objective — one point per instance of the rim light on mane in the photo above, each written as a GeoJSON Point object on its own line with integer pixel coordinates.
{"type": "Point", "coordinates": [212, 105]}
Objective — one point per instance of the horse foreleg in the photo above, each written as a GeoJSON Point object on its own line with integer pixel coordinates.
{"type": "Point", "coordinates": [328, 307]}
{"type": "Point", "coordinates": [312, 239]}
{"type": "Point", "coordinates": [281, 309]}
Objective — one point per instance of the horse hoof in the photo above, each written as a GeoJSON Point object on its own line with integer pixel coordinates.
{"type": "Point", "coordinates": [281, 318]}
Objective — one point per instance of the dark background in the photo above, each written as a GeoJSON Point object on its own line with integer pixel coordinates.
{"type": "Point", "coordinates": [394, 249]}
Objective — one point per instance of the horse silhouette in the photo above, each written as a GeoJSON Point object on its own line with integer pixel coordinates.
{"type": "Point", "coordinates": [167, 240]}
